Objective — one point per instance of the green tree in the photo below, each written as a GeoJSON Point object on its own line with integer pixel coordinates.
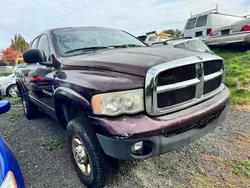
{"type": "Point", "coordinates": [169, 31]}
{"type": "Point", "coordinates": [19, 43]}
{"type": "Point", "coordinates": [175, 33]}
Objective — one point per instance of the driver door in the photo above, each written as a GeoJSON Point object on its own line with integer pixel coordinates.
{"type": "Point", "coordinates": [41, 78]}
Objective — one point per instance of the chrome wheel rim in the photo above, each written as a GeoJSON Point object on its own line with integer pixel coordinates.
{"type": "Point", "coordinates": [25, 106]}
{"type": "Point", "coordinates": [13, 92]}
{"type": "Point", "coordinates": [81, 156]}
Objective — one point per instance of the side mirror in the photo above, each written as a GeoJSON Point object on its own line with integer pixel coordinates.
{"type": "Point", "coordinates": [4, 106]}
{"type": "Point", "coordinates": [34, 56]}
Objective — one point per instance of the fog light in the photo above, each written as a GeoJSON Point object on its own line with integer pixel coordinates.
{"type": "Point", "coordinates": [137, 147]}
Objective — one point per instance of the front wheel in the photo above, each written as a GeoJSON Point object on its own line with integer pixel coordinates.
{"type": "Point", "coordinates": [30, 110]}
{"type": "Point", "coordinates": [93, 167]}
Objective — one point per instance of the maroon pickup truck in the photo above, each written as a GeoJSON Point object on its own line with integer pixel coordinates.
{"type": "Point", "coordinates": [119, 98]}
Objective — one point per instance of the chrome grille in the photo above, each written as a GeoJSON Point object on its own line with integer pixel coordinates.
{"type": "Point", "coordinates": [178, 74]}
{"type": "Point", "coordinates": [175, 96]}
{"type": "Point", "coordinates": [212, 66]}
{"type": "Point", "coordinates": [212, 85]}
{"type": "Point", "coordinates": [181, 83]}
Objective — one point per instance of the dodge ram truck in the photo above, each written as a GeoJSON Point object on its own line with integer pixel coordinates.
{"type": "Point", "coordinates": [119, 98]}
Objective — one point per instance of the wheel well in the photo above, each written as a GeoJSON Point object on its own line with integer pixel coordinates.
{"type": "Point", "coordinates": [66, 111]}
{"type": "Point", "coordinates": [9, 87]}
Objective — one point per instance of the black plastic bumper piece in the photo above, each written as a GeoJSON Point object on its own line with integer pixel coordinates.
{"type": "Point", "coordinates": [121, 148]}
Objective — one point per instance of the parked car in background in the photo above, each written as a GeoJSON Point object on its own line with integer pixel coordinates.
{"type": "Point", "coordinates": [11, 174]}
{"type": "Point", "coordinates": [18, 68]}
{"type": "Point", "coordinates": [237, 33]}
{"type": "Point", "coordinates": [119, 98]}
{"type": "Point", "coordinates": [191, 44]}
{"type": "Point", "coordinates": [203, 24]}
{"type": "Point", "coordinates": [8, 85]}
{"type": "Point", "coordinates": [154, 37]}
{"type": "Point", "coordinates": [6, 70]}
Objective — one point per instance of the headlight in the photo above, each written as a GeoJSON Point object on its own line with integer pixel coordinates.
{"type": "Point", "coordinates": [124, 102]}
{"type": "Point", "coordinates": [9, 181]}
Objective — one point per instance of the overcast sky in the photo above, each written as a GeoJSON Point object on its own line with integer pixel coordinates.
{"type": "Point", "coordinates": [30, 17]}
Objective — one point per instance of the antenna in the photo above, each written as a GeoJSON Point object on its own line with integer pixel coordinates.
{"type": "Point", "coordinates": [217, 8]}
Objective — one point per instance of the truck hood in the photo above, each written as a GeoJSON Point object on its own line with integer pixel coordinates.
{"type": "Point", "coordinates": [134, 61]}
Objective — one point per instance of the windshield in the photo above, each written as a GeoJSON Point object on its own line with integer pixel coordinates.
{"type": "Point", "coordinates": [80, 38]}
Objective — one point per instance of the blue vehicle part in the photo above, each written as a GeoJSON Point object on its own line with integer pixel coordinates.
{"type": "Point", "coordinates": [8, 161]}
{"type": "Point", "coordinates": [4, 106]}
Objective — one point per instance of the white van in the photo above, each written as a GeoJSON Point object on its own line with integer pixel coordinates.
{"type": "Point", "coordinates": [203, 24]}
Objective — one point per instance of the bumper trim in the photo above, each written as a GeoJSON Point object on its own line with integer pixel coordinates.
{"type": "Point", "coordinates": [229, 39]}
{"type": "Point", "coordinates": [121, 148]}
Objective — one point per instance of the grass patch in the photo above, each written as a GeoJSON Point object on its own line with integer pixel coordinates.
{"type": "Point", "coordinates": [240, 96]}
{"type": "Point", "coordinates": [53, 144]}
{"type": "Point", "coordinates": [14, 101]}
{"type": "Point", "coordinates": [12, 117]}
{"type": "Point", "coordinates": [229, 180]}
{"type": "Point", "coordinates": [241, 168]}
{"type": "Point", "coordinates": [237, 66]}
{"type": "Point", "coordinates": [200, 181]}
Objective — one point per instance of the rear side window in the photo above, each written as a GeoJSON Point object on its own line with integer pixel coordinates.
{"type": "Point", "coordinates": [191, 23]}
{"type": "Point", "coordinates": [34, 43]}
{"type": "Point", "coordinates": [202, 21]}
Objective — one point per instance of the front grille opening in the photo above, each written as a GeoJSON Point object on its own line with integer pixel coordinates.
{"type": "Point", "coordinates": [170, 98]}
{"type": "Point", "coordinates": [211, 67]}
{"type": "Point", "coordinates": [212, 85]}
{"type": "Point", "coordinates": [200, 124]}
{"type": "Point", "coordinates": [175, 75]}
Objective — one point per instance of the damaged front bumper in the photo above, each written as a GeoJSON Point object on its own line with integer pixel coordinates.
{"type": "Point", "coordinates": [164, 133]}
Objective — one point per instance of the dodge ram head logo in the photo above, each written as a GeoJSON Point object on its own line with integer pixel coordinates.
{"type": "Point", "coordinates": [199, 70]}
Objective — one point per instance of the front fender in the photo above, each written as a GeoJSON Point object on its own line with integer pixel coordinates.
{"type": "Point", "coordinates": [69, 95]}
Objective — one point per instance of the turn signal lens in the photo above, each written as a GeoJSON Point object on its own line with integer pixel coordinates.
{"type": "Point", "coordinates": [209, 32]}
{"type": "Point", "coordinates": [9, 181]}
{"type": "Point", "coordinates": [245, 28]}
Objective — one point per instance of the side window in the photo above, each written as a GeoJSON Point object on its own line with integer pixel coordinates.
{"type": "Point", "coordinates": [44, 46]}
{"type": "Point", "coordinates": [34, 43]}
{"type": "Point", "coordinates": [202, 21]}
{"type": "Point", "coordinates": [191, 23]}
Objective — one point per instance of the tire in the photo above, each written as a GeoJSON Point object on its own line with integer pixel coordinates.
{"type": "Point", "coordinates": [30, 110]}
{"type": "Point", "coordinates": [11, 91]}
{"type": "Point", "coordinates": [100, 164]}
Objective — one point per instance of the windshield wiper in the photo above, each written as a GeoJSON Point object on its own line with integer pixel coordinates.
{"type": "Point", "coordinates": [87, 48]}
{"type": "Point", "coordinates": [126, 46]}
{"type": "Point", "coordinates": [104, 47]}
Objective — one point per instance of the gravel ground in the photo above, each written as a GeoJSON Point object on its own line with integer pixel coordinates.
{"type": "Point", "coordinates": [42, 152]}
